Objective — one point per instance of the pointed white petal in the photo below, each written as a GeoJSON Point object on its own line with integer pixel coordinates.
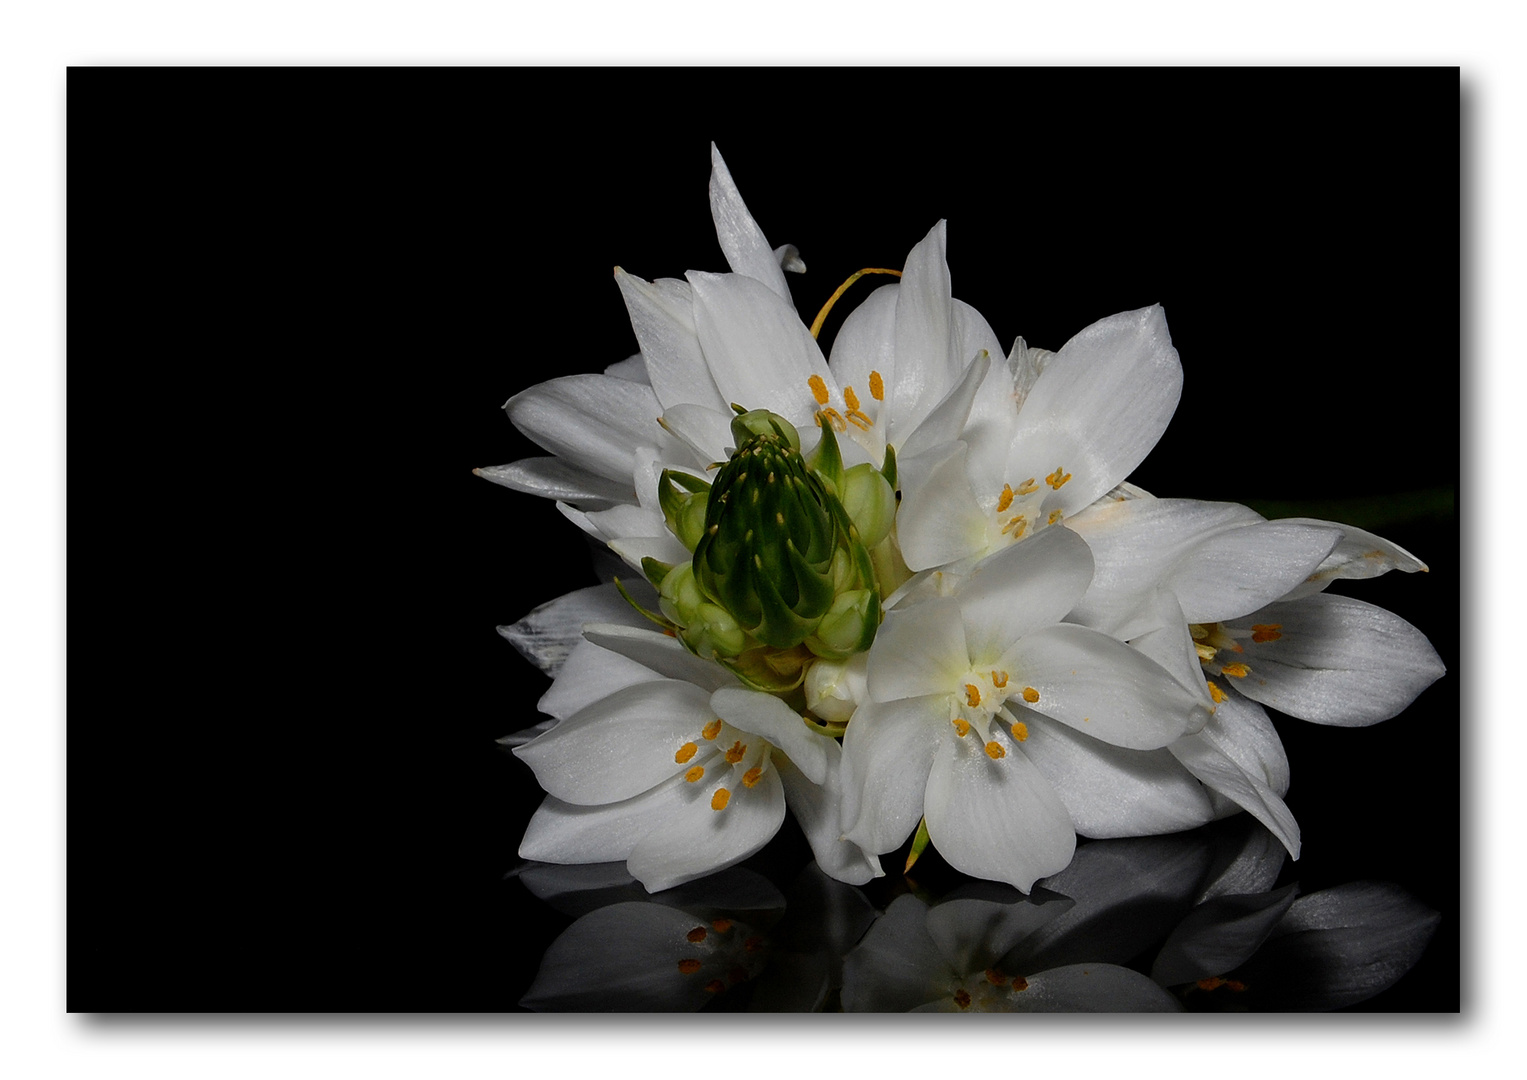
{"type": "Point", "coordinates": [660, 652]}
{"type": "Point", "coordinates": [706, 431]}
{"type": "Point", "coordinates": [662, 315]}
{"type": "Point", "coordinates": [866, 342]}
{"type": "Point", "coordinates": [632, 369]}
{"type": "Point", "coordinates": [1358, 556]}
{"type": "Point", "coordinates": [591, 674]}
{"type": "Point", "coordinates": [918, 650]}
{"type": "Point", "coordinates": [1099, 407]}
{"type": "Point", "coordinates": [547, 634]}
{"type": "Point", "coordinates": [697, 839]}
{"type": "Point", "coordinates": [887, 752]}
{"type": "Point", "coordinates": [999, 820]}
{"type": "Point", "coordinates": [939, 520]}
{"type": "Point", "coordinates": [594, 421]}
{"type": "Point", "coordinates": [1239, 570]}
{"type": "Point", "coordinates": [946, 420]}
{"type": "Point", "coordinates": [816, 807]}
{"type": "Point", "coordinates": [554, 478]}
{"type": "Point", "coordinates": [1103, 688]}
{"type": "Point", "coordinates": [1337, 661]}
{"type": "Point", "coordinates": [926, 365]}
{"type": "Point", "coordinates": [742, 241]}
{"type": "Point", "coordinates": [768, 716]}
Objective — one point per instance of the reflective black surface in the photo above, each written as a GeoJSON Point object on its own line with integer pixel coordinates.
{"type": "Point", "coordinates": [285, 684]}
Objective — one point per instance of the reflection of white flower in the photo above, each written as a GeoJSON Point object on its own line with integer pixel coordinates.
{"type": "Point", "coordinates": [958, 688]}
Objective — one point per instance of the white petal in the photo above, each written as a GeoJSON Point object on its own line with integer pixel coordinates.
{"type": "Point", "coordinates": [897, 966]}
{"type": "Point", "coordinates": [1100, 405]}
{"type": "Point", "coordinates": [742, 241]}
{"type": "Point", "coordinates": [1020, 589]}
{"type": "Point", "coordinates": [547, 634]}
{"type": "Point", "coordinates": [1201, 757]}
{"type": "Point", "coordinates": [1103, 688]}
{"type": "Point", "coordinates": [1241, 569]}
{"type": "Point", "coordinates": [866, 342]}
{"type": "Point", "coordinates": [595, 421]}
{"type": "Point", "coordinates": [660, 652]}
{"type": "Point", "coordinates": [1338, 661]}
{"type": "Point", "coordinates": [560, 832]}
{"type": "Point", "coordinates": [887, 752]}
{"type": "Point", "coordinates": [946, 420]}
{"type": "Point", "coordinates": [589, 675]}
{"type": "Point", "coordinates": [998, 820]}
{"type": "Point", "coordinates": [706, 431]}
{"type": "Point", "coordinates": [1109, 791]}
{"type": "Point", "coordinates": [632, 369]}
{"type": "Point", "coordinates": [662, 315]}
{"type": "Point", "coordinates": [816, 807]}
{"type": "Point", "coordinates": [697, 840]}
{"type": "Point", "coordinates": [1360, 555]}
{"type": "Point", "coordinates": [759, 354]}
{"type": "Point", "coordinates": [939, 520]}
{"type": "Point", "coordinates": [926, 365]}
{"type": "Point", "coordinates": [619, 746]}
{"type": "Point", "coordinates": [554, 478]}
{"type": "Point", "coordinates": [918, 650]}
{"type": "Point", "coordinates": [769, 717]}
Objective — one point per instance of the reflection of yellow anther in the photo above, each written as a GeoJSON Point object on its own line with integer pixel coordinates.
{"type": "Point", "coordinates": [752, 776]}
{"type": "Point", "coordinates": [1236, 671]}
{"type": "Point", "coordinates": [689, 966]}
{"type": "Point", "coordinates": [1019, 983]}
{"type": "Point", "coordinates": [1058, 477]}
{"type": "Point", "coordinates": [1006, 498]}
{"type": "Point", "coordinates": [999, 679]}
{"type": "Point", "coordinates": [715, 986]}
{"type": "Point", "coordinates": [962, 998]}
{"type": "Point", "coordinates": [1215, 692]}
{"type": "Point", "coordinates": [972, 695]}
{"type": "Point", "coordinates": [995, 977]}
{"type": "Point", "coordinates": [696, 935]}
{"type": "Point", "coordinates": [1030, 694]}
{"type": "Point", "coordinates": [1055, 515]}
{"type": "Point", "coordinates": [994, 750]}
{"type": "Point", "coordinates": [712, 729]}
{"type": "Point", "coordinates": [1265, 632]}
{"type": "Point", "coordinates": [850, 398]}
{"type": "Point", "coordinates": [1020, 731]}
{"type": "Point", "coordinates": [818, 389]}
{"type": "Point", "coordinates": [877, 386]}
{"type": "Point", "coordinates": [694, 773]}
{"type": "Point", "coordinates": [734, 755]}
{"type": "Point", "coordinates": [721, 926]}
{"type": "Point", "coordinates": [961, 727]}
{"type": "Point", "coordinates": [686, 752]}
{"type": "Point", "coordinates": [753, 944]}
{"type": "Point", "coordinates": [719, 799]}
{"type": "Point", "coordinates": [1028, 487]}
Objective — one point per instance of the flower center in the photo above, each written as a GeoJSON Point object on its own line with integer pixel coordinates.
{"type": "Point", "coordinates": [1021, 511]}
{"type": "Point", "coordinates": [1213, 641]}
{"type": "Point", "coordinates": [723, 761]}
{"type": "Point", "coordinates": [982, 697]}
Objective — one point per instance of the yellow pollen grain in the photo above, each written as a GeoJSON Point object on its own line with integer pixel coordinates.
{"type": "Point", "coordinates": [999, 679]}
{"type": "Point", "coordinates": [1028, 487]}
{"type": "Point", "coordinates": [1265, 632]}
{"type": "Point", "coordinates": [696, 935]}
{"type": "Point", "coordinates": [719, 800]}
{"type": "Point", "coordinates": [818, 389]}
{"type": "Point", "coordinates": [1055, 515]}
{"type": "Point", "coordinates": [995, 977]}
{"type": "Point", "coordinates": [1236, 671]}
{"type": "Point", "coordinates": [752, 776]}
{"type": "Point", "coordinates": [1030, 694]}
{"type": "Point", "coordinates": [685, 752]}
{"type": "Point", "coordinates": [877, 386]}
{"type": "Point", "coordinates": [721, 926]}
{"type": "Point", "coordinates": [1215, 692]}
{"type": "Point", "coordinates": [694, 773]}
{"type": "Point", "coordinates": [1020, 731]}
{"type": "Point", "coordinates": [972, 695]}
{"type": "Point", "coordinates": [850, 398]}
{"type": "Point", "coordinates": [994, 750]}
{"type": "Point", "coordinates": [1006, 498]}
{"type": "Point", "coordinates": [962, 998]}
{"type": "Point", "coordinates": [689, 966]}
{"type": "Point", "coordinates": [712, 729]}
{"type": "Point", "coordinates": [961, 727]}
{"type": "Point", "coordinates": [734, 755]}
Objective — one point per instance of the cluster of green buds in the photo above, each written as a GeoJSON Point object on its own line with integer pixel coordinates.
{"type": "Point", "coordinates": [781, 573]}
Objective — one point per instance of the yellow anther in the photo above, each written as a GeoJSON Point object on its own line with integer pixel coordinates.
{"type": "Point", "coordinates": [1030, 694]}
{"type": "Point", "coordinates": [1197, 632]}
{"type": "Point", "coordinates": [712, 729]}
{"type": "Point", "coordinates": [877, 386]}
{"type": "Point", "coordinates": [694, 773]}
{"type": "Point", "coordinates": [994, 750]}
{"type": "Point", "coordinates": [1028, 487]}
{"type": "Point", "coordinates": [689, 966]}
{"type": "Point", "coordinates": [859, 420]}
{"type": "Point", "coordinates": [1020, 731]}
{"type": "Point", "coordinates": [1006, 498]}
{"type": "Point", "coordinates": [972, 695]}
{"type": "Point", "coordinates": [999, 679]}
{"type": "Point", "coordinates": [961, 727]}
{"type": "Point", "coordinates": [696, 935]}
{"type": "Point", "coordinates": [1017, 525]}
{"type": "Point", "coordinates": [1265, 632]}
{"type": "Point", "coordinates": [995, 977]}
{"type": "Point", "coordinates": [734, 755]}
{"type": "Point", "coordinates": [816, 324]}
{"type": "Point", "coordinates": [1055, 515]}
{"type": "Point", "coordinates": [686, 752]}
{"type": "Point", "coordinates": [721, 926]}
{"type": "Point", "coordinates": [850, 398]}
{"type": "Point", "coordinates": [962, 998]}
{"type": "Point", "coordinates": [1205, 652]}
{"type": "Point", "coordinates": [719, 799]}
{"type": "Point", "coordinates": [818, 389]}
{"type": "Point", "coordinates": [1058, 477]}
{"type": "Point", "coordinates": [1236, 671]}
{"type": "Point", "coordinates": [1215, 692]}
{"type": "Point", "coordinates": [752, 776]}
{"type": "Point", "coordinates": [834, 417]}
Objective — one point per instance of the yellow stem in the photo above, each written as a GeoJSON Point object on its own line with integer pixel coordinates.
{"type": "Point", "coordinates": [816, 325]}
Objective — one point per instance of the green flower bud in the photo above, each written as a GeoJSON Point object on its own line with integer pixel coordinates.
{"type": "Point", "coordinates": [682, 498]}
{"type": "Point", "coordinates": [706, 629]}
{"type": "Point", "coordinates": [870, 502]}
{"type": "Point", "coordinates": [849, 625]}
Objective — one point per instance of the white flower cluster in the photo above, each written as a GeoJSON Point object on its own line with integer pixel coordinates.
{"type": "Point", "coordinates": [934, 607]}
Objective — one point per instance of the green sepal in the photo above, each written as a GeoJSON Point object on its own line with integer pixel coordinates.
{"type": "Point", "coordinates": [919, 845]}
{"type": "Point", "coordinates": [827, 460]}
{"type": "Point", "coordinates": [888, 469]}
{"type": "Point", "coordinates": [652, 615]}
{"type": "Point", "coordinates": [655, 570]}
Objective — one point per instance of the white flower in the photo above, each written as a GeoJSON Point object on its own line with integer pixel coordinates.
{"type": "Point", "coordinates": [968, 691]}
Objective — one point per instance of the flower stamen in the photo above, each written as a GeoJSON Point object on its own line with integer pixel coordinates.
{"type": "Point", "coordinates": [719, 800]}
{"type": "Point", "coordinates": [1058, 478]}
{"type": "Point", "coordinates": [1030, 694]}
{"type": "Point", "coordinates": [877, 386]}
{"type": "Point", "coordinates": [685, 752]}
{"type": "Point", "coordinates": [994, 750]}
{"type": "Point", "coordinates": [694, 773]}
{"type": "Point", "coordinates": [816, 324]}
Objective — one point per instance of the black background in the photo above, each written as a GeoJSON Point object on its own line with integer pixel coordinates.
{"type": "Point", "coordinates": [298, 300]}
